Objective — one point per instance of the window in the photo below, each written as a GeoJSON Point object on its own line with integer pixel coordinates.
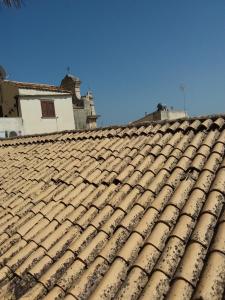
{"type": "Point", "coordinates": [48, 109]}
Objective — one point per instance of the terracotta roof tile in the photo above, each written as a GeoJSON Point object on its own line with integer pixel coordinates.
{"type": "Point", "coordinates": [70, 297]}
{"type": "Point", "coordinates": [147, 258]}
{"type": "Point", "coordinates": [49, 278]}
{"type": "Point", "coordinates": [114, 244]}
{"type": "Point", "coordinates": [219, 148]}
{"type": "Point", "coordinates": [204, 229]}
{"type": "Point", "coordinates": [16, 260]}
{"type": "Point", "coordinates": [82, 240]}
{"type": "Point", "coordinates": [219, 182]}
{"type": "Point", "coordinates": [71, 275]}
{"type": "Point", "coordinates": [181, 194]}
{"type": "Point", "coordinates": [157, 286]}
{"type": "Point", "coordinates": [60, 245]}
{"type": "Point", "coordinates": [131, 248]}
{"type": "Point", "coordinates": [180, 290]}
{"type": "Point", "coordinates": [115, 213]}
{"type": "Point", "coordinates": [212, 281]}
{"type": "Point", "coordinates": [113, 221]}
{"type": "Point", "coordinates": [221, 137]}
{"type": "Point", "coordinates": [41, 86]}
{"type": "Point", "coordinates": [214, 203]}
{"type": "Point", "coordinates": [112, 281]}
{"type": "Point", "coordinates": [219, 241]}
{"type": "Point", "coordinates": [219, 122]}
{"type": "Point", "coordinates": [94, 247]}
{"type": "Point", "coordinates": [158, 236]}
{"type": "Point", "coordinates": [55, 293]}
{"type": "Point", "coordinates": [195, 124]}
{"type": "Point", "coordinates": [170, 215]}
{"type": "Point", "coordinates": [102, 216]}
{"type": "Point", "coordinates": [162, 198]}
{"type": "Point", "coordinates": [190, 269]}
{"type": "Point", "coordinates": [133, 284]}
{"type": "Point", "coordinates": [171, 256]}
{"type": "Point", "coordinates": [133, 218]}
{"type": "Point", "coordinates": [87, 283]}
{"type": "Point", "coordinates": [175, 177]}
{"type": "Point", "coordinates": [41, 236]}
{"type": "Point", "coordinates": [58, 233]}
{"type": "Point", "coordinates": [183, 228]}
{"type": "Point", "coordinates": [204, 181]}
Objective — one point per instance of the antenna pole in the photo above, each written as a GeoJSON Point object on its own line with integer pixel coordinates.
{"type": "Point", "coordinates": [183, 90]}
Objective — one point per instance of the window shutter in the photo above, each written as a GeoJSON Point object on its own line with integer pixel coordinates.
{"type": "Point", "coordinates": [47, 108]}
{"type": "Point", "coordinates": [43, 108]}
{"type": "Point", "coordinates": [51, 109]}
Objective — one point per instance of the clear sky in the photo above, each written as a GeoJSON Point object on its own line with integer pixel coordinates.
{"type": "Point", "coordinates": [131, 53]}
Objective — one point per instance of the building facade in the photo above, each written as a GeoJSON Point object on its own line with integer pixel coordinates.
{"type": "Point", "coordinates": [28, 108]}
{"type": "Point", "coordinates": [162, 113]}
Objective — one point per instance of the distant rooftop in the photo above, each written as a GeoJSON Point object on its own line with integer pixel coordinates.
{"type": "Point", "coordinates": [163, 112]}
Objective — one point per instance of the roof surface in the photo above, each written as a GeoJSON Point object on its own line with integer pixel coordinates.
{"type": "Point", "coordinates": [37, 86]}
{"type": "Point", "coordinates": [115, 213]}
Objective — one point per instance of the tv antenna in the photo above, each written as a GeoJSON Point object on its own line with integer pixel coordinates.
{"type": "Point", "coordinates": [183, 89]}
{"type": "Point", "coordinates": [2, 74]}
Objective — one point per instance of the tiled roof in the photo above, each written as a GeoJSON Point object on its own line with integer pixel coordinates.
{"type": "Point", "coordinates": [115, 213]}
{"type": "Point", "coordinates": [37, 86]}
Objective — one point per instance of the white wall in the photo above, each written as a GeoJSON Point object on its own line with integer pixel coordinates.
{"type": "Point", "coordinates": [23, 91]}
{"type": "Point", "coordinates": [172, 115]}
{"type": "Point", "coordinates": [32, 116]}
{"type": "Point", "coordinates": [11, 126]}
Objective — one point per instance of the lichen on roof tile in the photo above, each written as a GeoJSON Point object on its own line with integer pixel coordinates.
{"type": "Point", "coordinates": [115, 213]}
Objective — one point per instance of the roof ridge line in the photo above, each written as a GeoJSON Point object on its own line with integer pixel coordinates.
{"type": "Point", "coordinates": [129, 125]}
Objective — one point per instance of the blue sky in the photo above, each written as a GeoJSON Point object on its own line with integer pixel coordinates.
{"type": "Point", "coordinates": [131, 53]}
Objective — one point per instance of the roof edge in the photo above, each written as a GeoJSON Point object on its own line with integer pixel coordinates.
{"type": "Point", "coordinates": [36, 86]}
{"type": "Point", "coordinates": [131, 125]}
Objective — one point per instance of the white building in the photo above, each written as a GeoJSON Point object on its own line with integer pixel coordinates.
{"type": "Point", "coordinates": [162, 113]}
{"type": "Point", "coordinates": [27, 108]}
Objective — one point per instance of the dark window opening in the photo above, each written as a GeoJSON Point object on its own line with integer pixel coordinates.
{"type": "Point", "coordinates": [48, 109]}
